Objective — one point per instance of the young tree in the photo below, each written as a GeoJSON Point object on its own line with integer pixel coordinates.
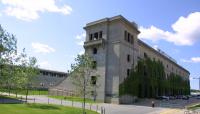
{"type": "Point", "coordinates": [8, 48]}
{"type": "Point", "coordinates": [27, 70]}
{"type": "Point", "coordinates": [81, 73]}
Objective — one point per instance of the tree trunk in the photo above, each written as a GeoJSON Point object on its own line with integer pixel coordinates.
{"type": "Point", "coordinates": [26, 94]}
{"type": "Point", "coordinates": [84, 96]}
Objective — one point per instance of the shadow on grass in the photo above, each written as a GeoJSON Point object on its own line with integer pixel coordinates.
{"type": "Point", "coordinates": [44, 107]}
{"type": "Point", "coordinates": [9, 100]}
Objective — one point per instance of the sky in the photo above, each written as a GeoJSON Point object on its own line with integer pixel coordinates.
{"type": "Point", "coordinates": [52, 30]}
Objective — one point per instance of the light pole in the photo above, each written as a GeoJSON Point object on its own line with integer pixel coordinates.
{"type": "Point", "coordinates": [199, 81]}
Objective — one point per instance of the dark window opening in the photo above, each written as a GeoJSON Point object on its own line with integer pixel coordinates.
{"type": "Point", "coordinates": [94, 65]}
{"type": "Point", "coordinates": [128, 58]}
{"type": "Point", "coordinates": [93, 80]}
{"type": "Point", "coordinates": [128, 37]}
{"type": "Point", "coordinates": [94, 50]}
{"type": "Point", "coordinates": [145, 55]}
{"type": "Point", "coordinates": [96, 36]}
{"type": "Point", "coordinates": [131, 39]}
{"type": "Point", "coordinates": [100, 34]}
{"type": "Point", "coordinates": [128, 72]}
{"type": "Point", "coordinates": [91, 35]}
{"type": "Point", "coordinates": [125, 35]}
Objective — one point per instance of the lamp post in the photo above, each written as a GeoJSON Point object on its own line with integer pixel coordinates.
{"type": "Point", "coordinates": [199, 81]}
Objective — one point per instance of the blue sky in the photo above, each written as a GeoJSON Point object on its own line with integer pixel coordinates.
{"type": "Point", "coordinates": [52, 30]}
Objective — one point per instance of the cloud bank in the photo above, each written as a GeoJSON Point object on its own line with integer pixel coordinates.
{"type": "Point", "coordinates": [42, 48]}
{"type": "Point", "coordinates": [29, 10]}
{"type": "Point", "coordinates": [186, 31]}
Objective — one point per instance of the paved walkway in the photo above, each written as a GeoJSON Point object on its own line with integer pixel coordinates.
{"type": "Point", "coordinates": [109, 108]}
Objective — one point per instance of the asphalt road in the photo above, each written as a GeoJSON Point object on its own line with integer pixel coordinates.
{"type": "Point", "coordinates": [109, 108]}
{"type": "Point", "coordinates": [141, 108]}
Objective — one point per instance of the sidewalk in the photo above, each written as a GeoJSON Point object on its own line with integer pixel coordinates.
{"type": "Point", "coordinates": [173, 111]}
{"type": "Point", "coordinates": [46, 100]}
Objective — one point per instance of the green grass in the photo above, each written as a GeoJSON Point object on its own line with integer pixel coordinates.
{"type": "Point", "coordinates": [194, 107]}
{"type": "Point", "coordinates": [75, 99]}
{"type": "Point", "coordinates": [34, 92]}
{"type": "Point", "coordinates": [30, 92]}
{"type": "Point", "coordinates": [39, 109]}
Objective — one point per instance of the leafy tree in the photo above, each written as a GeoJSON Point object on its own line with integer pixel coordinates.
{"type": "Point", "coordinates": [80, 74]}
{"type": "Point", "coordinates": [148, 79]}
{"type": "Point", "coordinates": [27, 71]}
{"type": "Point", "coordinates": [15, 71]}
{"type": "Point", "coordinates": [8, 48]}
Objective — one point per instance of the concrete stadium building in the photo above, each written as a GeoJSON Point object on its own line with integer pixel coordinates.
{"type": "Point", "coordinates": [114, 45]}
{"type": "Point", "coordinates": [48, 78]}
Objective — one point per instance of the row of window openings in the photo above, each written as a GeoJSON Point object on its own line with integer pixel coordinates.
{"type": "Point", "coordinates": [145, 73]}
{"type": "Point", "coordinates": [145, 56]}
{"type": "Point", "coordinates": [52, 74]}
{"type": "Point", "coordinates": [96, 35]}
{"type": "Point", "coordinates": [128, 37]}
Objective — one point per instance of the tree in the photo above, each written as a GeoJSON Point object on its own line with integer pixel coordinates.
{"type": "Point", "coordinates": [15, 71]}
{"type": "Point", "coordinates": [81, 73]}
{"type": "Point", "coordinates": [148, 79]}
{"type": "Point", "coordinates": [8, 48]}
{"type": "Point", "coordinates": [27, 70]}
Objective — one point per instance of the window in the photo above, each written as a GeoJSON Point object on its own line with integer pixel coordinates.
{"type": "Point", "coordinates": [91, 35]}
{"type": "Point", "coordinates": [128, 72]}
{"type": "Point", "coordinates": [94, 50]}
{"type": "Point", "coordinates": [128, 37]}
{"type": "Point", "coordinates": [93, 80]}
{"type": "Point", "coordinates": [96, 36]}
{"type": "Point", "coordinates": [94, 65]}
{"type": "Point", "coordinates": [125, 35]}
{"type": "Point", "coordinates": [100, 34]}
{"type": "Point", "coordinates": [128, 58]}
{"type": "Point", "coordinates": [131, 40]}
{"type": "Point", "coordinates": [145, 55]}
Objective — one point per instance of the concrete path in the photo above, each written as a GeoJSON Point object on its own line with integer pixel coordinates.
{"type": "Point", "coordinates": [109, 108]}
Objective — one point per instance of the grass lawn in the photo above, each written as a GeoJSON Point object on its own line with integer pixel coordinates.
{"type": "Point", "coordinates": [30, 92]}
{"type": "Point", "coordinates": [75, 99]}
{"type": "Point", "coordinates": [39, 109]}
{"type": "Point", "coordinates": [193, 107]}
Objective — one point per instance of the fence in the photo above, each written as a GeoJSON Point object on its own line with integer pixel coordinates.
{"type": "Point", "coordinates": [62, 92]}
{"type": "Point", "coordinates": [46, 100]}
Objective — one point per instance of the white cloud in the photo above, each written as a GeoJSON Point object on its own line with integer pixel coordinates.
{"type": "Point", "coordinates": [45, 65]}
{"type": "Point", "coordinates": [186, 31]}
{"type": "Point", "coordinates": [29, 10]}
{"type": "Point", "coordinates": [192, 60]}
{"type": "Point", "coordinates": [155, 47]}
{"type": "Point", "coordinates": [81, 39]}
{"type": "Point", "coordinates": [42, 48]}
{"type": "Point", "coordinates": [80, 43]}
{"type": "Point", "coordinates": [81, 36]}
{"type": "Point", "coordinates": [81, 52]}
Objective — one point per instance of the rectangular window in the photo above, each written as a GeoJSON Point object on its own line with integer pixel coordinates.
{"type": "Point", "coordinates": [94, 65]}
{"type": "Point", "coordinates": [91, 37]}
{"type": "Point", "coordinates": [128, 72]}
{"type": "Point", "coordinates": [125, 35]}
{"type": "Point", "coordinates": [94, 50]}
{"type": "Point", "coordinates": [128, 39]}
{"type": "Point", "coordinates": [93, 80]}
{"type": "Point", "coordinates": [100, 34]}
{"type": "Point", "coordinates": [145, 55]}
{"type": "Point", "coordinates": [96, 36]}
{"type": "Point", "coordinates": [128, 58]}
{"type": "Point", "coordinates": [131, 39]}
